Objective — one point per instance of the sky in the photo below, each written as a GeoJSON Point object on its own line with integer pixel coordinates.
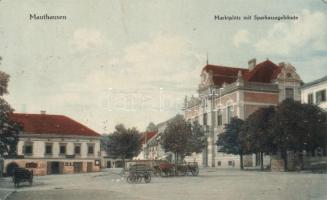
{"type": "Point", "coordinates": [133, 62]}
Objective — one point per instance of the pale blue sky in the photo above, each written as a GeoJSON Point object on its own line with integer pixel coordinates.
{"type": "Point", "coordinates": [134, 61]}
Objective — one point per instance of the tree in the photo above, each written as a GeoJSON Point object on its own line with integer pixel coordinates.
{"type": "Point", "coordinates": [230, 140]}
{"type": "Point", "coordinates": [151, 127]}
{"type": "Point", "coordinates": [197, 141]}
{"type": "Point", "coordinates": [9, 129]}
{"type": "Point", "coordinates": [124, 143]}
{"type": "Point", "coordinates": [257, 132]}
{"type": "Point", "coordinates": [297, 127]}
{"type": "Point", "coordinates": [181, 138]}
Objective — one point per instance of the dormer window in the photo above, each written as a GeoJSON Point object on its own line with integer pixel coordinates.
{"type": "Point", "coordinates": [288, 75]}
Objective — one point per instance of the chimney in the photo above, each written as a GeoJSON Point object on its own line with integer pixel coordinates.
{"type": "Point", "coordinates": [252, 63]}
{"type": "Point", "coordinates": [282, 64]}
{"type": "Point", "coordinates": [43, 112]}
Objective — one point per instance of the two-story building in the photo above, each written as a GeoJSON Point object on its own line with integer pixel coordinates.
{"type": "Point", "coordinates": [226, 92]}
{"type": "Point", "coordinates": [55, 144]}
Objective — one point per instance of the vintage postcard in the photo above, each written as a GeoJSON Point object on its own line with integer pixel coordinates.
{"type": "Point", "coordinates": [155, 99]}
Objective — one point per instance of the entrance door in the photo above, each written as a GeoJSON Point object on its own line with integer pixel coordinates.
{"type": "Point", "coordinates": [55, 168]}
{"type": "Point", "coordinates": [108, 164]}
{"type": "Point", "coordinates": [89, 166]}
{"type": "Point", "coordinates": [78, 167]}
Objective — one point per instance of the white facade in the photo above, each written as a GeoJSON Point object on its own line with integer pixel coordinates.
{"type": "Point", "coordinates": [89, 146]}
{"type": "Point", "coordinates": [315, 93]}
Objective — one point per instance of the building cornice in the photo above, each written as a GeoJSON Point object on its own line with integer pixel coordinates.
{"type": "Point", "coordinates": [56, 136]}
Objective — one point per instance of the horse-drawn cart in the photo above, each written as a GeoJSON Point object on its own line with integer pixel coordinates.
{"type": "Point", "coordinates": [22, 175]}
{"type": "Point", "coordinates": [164, 168]}
{"type": "Point", "coordinates": [137, 172]}
{"type": "Point", "coordinates": [168, 169]}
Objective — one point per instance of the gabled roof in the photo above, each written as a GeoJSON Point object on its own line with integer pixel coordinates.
{"type": "Point", "coordinates": [264, 72]}
{"type": "Point", "coordinates": [51, 124]}
{"type": "Point", "coordinates": [147, 136]}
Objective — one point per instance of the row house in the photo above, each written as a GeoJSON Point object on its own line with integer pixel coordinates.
{"type": "Point", "coordinates": [145, 151]}
{"type": "Point", "coordinates": [152, 149]}
{"type": "Point", "coordinates": [226, 92]}
{"type": "Point", "coordinates": [54, 144]}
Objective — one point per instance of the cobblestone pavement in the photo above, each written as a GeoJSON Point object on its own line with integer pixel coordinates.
{"type": "Point", "coordinates": [210, 184]}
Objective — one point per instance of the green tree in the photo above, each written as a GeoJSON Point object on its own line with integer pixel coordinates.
{"type": "Point", "coordinates": [181, 138]}
{"type": "Point", "coordinates": [297, 127]}
{"type": "Point", "coordinates": [230, 140]}
{"type": "Point", "coordinates": [9, 129]}
{"type": "Point", "coordinates": [124, 143]}
{"type": "Point", "coordinates": [257, 132]}
{"type": "Point", "coordinates": [197, 141]}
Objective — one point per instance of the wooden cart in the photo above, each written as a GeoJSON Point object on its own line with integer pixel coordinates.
{"type": "Point", "coordinates": [22, 175]}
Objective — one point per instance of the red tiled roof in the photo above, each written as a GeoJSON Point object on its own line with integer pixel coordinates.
{"type": "Point", "coordinates": [148, 136]}
{"type": "Point", "coordinates": [51, 124]}
{"type": "Point", "coordinates": [264, 72]}
{"type": "Point", "coordinates": [222, 74]}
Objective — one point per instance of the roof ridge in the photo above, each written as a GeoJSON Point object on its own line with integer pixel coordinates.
{"type": "Point", "coordinates": [38, 114]}
{"type": "Point", "coordinates": [228, 67]}
{"type": "Point", "coordinates": [80, 124]}
{"type": "Point", "coordinates": [69, 125]}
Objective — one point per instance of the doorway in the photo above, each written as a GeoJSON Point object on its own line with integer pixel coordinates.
{"type": "Point", "coordinates": [108, 164]}
{"type": "Point", "coordinates": [89, 166]}
{"type": "Point", "coordinates": [78, 167]}
{"type": "Point", "coordinates": [53, 168]}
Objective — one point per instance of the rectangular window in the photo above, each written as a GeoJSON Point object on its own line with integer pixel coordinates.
{"type": "Point", "coordinates": [230, 163]}
{"type": "Point", "coordinates": [77, 149]}
{"type": "Point", "coordinates": [320, 96]}
{"type": "Point", "coordinates": [62, 149]}
{"type": "Point", "coordinates": [310, 98]}
{"type": "Point", "coordinates": [48, 149]}
{"type": "Point", "coordinates": [219, 163]}
{"type": "Point", "coordinates": [289, 93]}
{"type": "Point", "coordinates": [205, 119]}
{"type": "Point", "coordinates": [28, 149]}
{"type": "Point", "coordinates": [90, 149]}
{"type": "Point", "coordinates": [229, 113]}
{"type": "Point", "coordinates": [219, 118]}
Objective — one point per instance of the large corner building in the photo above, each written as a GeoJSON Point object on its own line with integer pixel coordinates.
{"type": "Point", "coordinates": [226, 92]}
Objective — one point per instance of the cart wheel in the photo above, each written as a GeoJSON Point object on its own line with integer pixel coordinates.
{"type": "Point", "coordinates": [139, 178]}
{"type": "Point", "coordinates": [147, 178]}
{"type": "Point", "coordinates": [130, 179]}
